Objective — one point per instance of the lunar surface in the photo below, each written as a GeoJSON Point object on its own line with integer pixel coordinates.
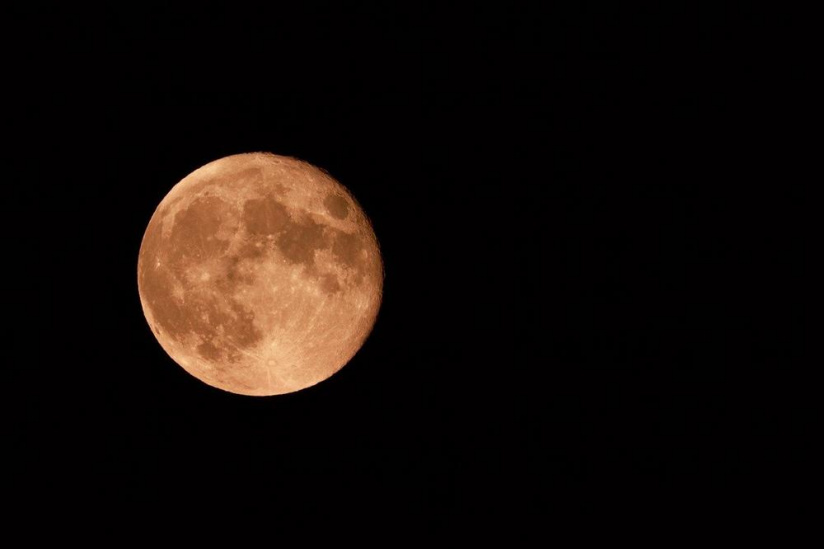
{"type": "Point", "coordinates": [260, 274]}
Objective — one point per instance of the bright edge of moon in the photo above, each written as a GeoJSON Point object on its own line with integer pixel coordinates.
{"type": "Point", "coordinates": [260, 274]}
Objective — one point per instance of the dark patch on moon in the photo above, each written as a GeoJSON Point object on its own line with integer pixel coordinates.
{"type": "Point", "coordinates": [265, 216]}
{"type": "Point", "coordinates": [165, 265]}
{"type": "Point", "coordinates": [200, 314]}
{"type": "Point", "coordinates": [348, 249]}
{"type": "Point", "coordinates": [267, 219]}
{"type": "Point", "coordinates": [297, 240]}
{"type": "Point", "coordinates": [193, 235]}
{"type": "Point", "coordinates": [232, 273]}
{"type": "Point", "coordinates": [336, 205]}
{"type": "Point", "coordinates": [300, 239]}
{"type": "Point", "coordinates": [329, 284]}
{"type": "Point", "coordinates": [208, 351]}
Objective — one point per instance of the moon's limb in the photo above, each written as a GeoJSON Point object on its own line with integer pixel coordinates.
{"type": "Point", "coordinates": [260, 274]}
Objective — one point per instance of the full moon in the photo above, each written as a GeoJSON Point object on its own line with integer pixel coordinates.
{"type": "Point", "coordinates": [260, 274]}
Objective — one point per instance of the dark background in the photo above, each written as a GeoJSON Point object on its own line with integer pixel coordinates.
{"type": "Point", "coordinates": [599, 227]}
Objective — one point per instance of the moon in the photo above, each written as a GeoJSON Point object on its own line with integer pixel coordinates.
{"type": "Point", "coordinates": [260, 274]}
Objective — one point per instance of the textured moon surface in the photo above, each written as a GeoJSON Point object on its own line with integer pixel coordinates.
{"type": "Point", "coordinates": [260, 274]}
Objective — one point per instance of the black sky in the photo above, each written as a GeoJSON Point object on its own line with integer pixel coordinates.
{"type": "Point", "coordinates": [599, 225]}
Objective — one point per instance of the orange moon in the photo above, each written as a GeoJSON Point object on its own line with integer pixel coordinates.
{"type": "Point", "coordinates": [260, 274]}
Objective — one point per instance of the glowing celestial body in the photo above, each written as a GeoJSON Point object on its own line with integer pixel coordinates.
{"type": "Point", "coordinates": [260, 274]}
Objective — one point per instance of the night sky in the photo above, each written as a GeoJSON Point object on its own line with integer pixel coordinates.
{"type": "Point", "coordinates": [599, 227]}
